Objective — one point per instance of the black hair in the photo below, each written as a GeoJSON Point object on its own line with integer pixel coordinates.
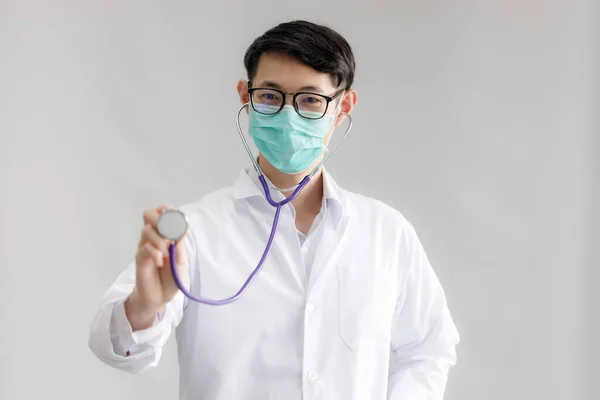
{"type": "Point", "coordinates": [316, 46]}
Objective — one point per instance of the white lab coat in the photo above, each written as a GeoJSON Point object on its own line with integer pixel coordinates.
{"type": "Point", "coordinates": [354, 311]}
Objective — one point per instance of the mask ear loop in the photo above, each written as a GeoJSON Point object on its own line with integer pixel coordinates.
{"type": "Point", "coordinates": [314, 170]}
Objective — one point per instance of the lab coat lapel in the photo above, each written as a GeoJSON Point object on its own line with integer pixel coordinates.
{"type": "Point", "coordinates": [333, 242]}
{"type": "Point", "coordinates": [328, 254]}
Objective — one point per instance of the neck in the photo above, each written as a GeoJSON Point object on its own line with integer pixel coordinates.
{"type": "Point", "coordinates": [310, 197]}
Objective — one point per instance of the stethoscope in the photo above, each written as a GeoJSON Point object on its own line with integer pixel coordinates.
{"type": "Point", "coordinates": [173, 224]}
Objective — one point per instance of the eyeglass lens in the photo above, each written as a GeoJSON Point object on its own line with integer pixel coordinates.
{"type": "Point", "coordinates": [308, 105]}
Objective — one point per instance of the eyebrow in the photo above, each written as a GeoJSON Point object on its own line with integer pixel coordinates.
{"type": "Point", "coordinates": [274, 85]}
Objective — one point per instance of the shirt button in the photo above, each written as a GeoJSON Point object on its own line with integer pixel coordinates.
{"type": "Point", "coordinates": [313, 376]}
{"type": "Point", "coordinates": [305, 249]}
{"type": "Point", "coordinates": [310, 308]}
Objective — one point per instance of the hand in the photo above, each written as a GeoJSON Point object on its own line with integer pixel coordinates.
{"type": "Point", "coordinates": [154, 283]}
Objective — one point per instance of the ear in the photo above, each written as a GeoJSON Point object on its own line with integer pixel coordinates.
{"type": "Point", "coordinates": [242, 88]}
{"type": "Point", "coordinates": [348, 102]}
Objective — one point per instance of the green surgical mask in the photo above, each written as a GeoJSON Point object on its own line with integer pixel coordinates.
{"type": "Point", "coordinates": [288, 141]}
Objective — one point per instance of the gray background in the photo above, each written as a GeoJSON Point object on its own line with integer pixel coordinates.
{"type": "Point", "coordinates": [478, 120]}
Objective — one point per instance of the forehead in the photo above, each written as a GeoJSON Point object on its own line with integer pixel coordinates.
{"type": "Point", "coordinates": [290, 74]}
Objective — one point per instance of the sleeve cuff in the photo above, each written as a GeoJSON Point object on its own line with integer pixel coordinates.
{"type": "Point", "coordinates": [125, 341]}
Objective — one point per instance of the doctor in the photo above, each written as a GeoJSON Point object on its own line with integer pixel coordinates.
{"type": "Point", "coordinates": [347, 306]}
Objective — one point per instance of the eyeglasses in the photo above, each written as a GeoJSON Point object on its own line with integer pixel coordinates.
{"type": "Point", "coordinates": [308, 105]}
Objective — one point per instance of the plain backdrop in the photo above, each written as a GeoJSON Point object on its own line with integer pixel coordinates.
{"type": "Point", "coordinates": [478, 120]}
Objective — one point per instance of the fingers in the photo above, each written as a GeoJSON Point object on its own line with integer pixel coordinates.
{"type": "Point", "coordinates": [148, 251]}
{"type": "Point", "coordinates": [164, 207]}
{"type": "Point", "coordinates": [150, 235]}
{"type": "Point", "coordinates": [151, 216]}
{"type": "Point", "coordinates": [152, 245]}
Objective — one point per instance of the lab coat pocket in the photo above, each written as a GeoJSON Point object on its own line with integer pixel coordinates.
{"type": "Point", "coordinates": [362, 320]}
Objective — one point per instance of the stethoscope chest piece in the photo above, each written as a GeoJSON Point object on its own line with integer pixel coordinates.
{"type": "Point", "coordinates": [172, 225]}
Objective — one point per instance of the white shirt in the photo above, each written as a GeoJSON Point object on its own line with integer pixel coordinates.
{"type": "Point", "coordinates": [358, 315]}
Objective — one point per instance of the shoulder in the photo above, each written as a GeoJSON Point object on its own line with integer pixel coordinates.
{"type": "Point", "coordinates": [379, 221]}
{"type": "Point", "coordinates": [383, 230]}
{"type": "Point", "coordinates": [206, 215]}
{"type": "Point", "coordinates": [367, 208]}
{"type": "Point", "coordinates": [210, 204]}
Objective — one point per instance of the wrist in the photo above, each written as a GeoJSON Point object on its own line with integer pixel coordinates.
{"type": "Point", "coordinates": [140, 314]}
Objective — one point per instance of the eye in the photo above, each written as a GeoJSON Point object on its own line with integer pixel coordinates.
{"type": "Point", "coordinates": [269, 97]}
{"type": "Point", "coordinates": [312, 100]}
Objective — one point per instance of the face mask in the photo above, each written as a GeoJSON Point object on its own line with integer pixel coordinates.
{"type": "Point", "coordinates": [288, 141]}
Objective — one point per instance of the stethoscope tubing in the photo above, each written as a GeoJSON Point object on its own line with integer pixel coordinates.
{"type": "Point", "coordinates": [263, 259]}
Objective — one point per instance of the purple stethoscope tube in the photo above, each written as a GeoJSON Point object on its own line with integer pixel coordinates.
{"type": "Point", "coordinates": [277, 205]}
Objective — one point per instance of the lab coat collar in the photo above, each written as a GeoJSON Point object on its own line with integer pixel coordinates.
{"type": "Point", "coordinates": [248, 185]}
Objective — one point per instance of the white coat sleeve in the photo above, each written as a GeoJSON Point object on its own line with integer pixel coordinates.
{"type": "Point", "coordinates": [424, 336]}
{"type": "Point", "coordinates": [111, 338]}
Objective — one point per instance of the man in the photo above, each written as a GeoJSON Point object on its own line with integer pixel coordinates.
{"type": "Point", "coordinates": [347, 305]}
